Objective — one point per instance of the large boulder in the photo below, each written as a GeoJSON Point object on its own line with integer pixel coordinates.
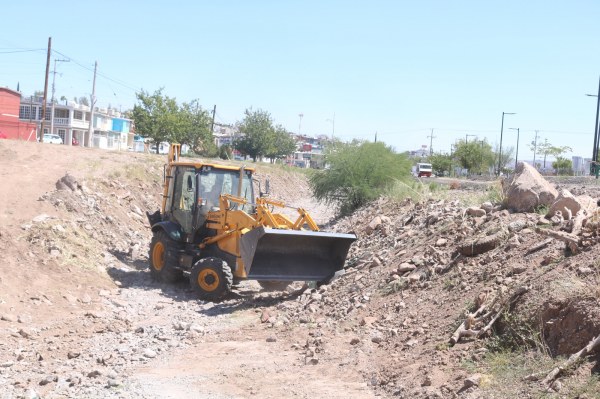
{"type": "Point", "coordinates": [529, 190]}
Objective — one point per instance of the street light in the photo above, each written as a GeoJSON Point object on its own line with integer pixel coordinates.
{"type": "Point", "coordinates": [467, 137]}
{"type": "Point", "coordinates": [596, 131]}
{"type": "Point", "coordinates": [300, 123]}
{"type": "Point", "coordinates": [500, 150]}
{"type": "Point", "coordinates": [517, 154]}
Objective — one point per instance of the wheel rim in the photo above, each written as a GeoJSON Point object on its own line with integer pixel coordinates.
{"type": "Point", "coordinates": [158, 256]}
{"type": "Point", "coordinates": [208, 280]}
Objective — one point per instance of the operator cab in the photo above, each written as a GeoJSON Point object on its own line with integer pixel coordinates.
{"type": "Point", "coordinates": [196, 192]}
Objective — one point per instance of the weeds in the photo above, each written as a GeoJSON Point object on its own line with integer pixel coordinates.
{"type": "Point", "coordinates": [395, 286]}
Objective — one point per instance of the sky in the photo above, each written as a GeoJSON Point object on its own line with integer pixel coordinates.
{"type": "Point", "coordinates": [353, 69]}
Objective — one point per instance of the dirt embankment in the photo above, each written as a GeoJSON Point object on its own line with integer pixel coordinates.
{"type": "Point", "coordinates": [81, 316]}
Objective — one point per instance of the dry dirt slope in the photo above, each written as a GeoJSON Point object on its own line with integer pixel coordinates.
{"type": "Point", "coordinates": [80, 315]}
{"type": "Point", "coordinates": [82, 318]}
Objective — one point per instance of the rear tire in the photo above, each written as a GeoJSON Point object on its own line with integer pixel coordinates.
{"type": "Point", "coordinates": [211, 278]}
{"type": "Point", "coordinates": [161, 266]}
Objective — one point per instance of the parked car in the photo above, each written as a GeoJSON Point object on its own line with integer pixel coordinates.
{"type": "Point", "coordinates": [74, 141]}
{"type": "Point", "coordinates": [52, 139]}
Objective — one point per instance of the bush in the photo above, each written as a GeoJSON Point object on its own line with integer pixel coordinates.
{"type": "Point", "coordinates": [357, 173]}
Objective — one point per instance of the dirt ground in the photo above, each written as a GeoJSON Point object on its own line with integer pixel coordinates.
{"type": "Point", "coordinates": [81, 317]}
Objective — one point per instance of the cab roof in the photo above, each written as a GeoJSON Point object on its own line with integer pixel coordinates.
{"type": "Point", "coordinates": [198, 165]}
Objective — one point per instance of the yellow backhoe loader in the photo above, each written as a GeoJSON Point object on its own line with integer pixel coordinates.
{"type": "Point", "coordinates": [211, 226]}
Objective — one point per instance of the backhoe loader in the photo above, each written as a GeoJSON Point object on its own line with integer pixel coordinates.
{"type": "Point", "coordinates": [211, 227]}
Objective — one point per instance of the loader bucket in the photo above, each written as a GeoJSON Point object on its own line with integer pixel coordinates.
{"type": "Point", "coordinates": [293, 255]}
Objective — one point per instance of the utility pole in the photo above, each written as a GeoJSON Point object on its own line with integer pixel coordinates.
{"type": "Point", "coordinates": [376, 136]}
{"type": "Point", "coordinates": [535, 148]}
{"type": "Point", "coordinates": [212, 124]}
{"type": "Point", "coordinates": [88, 142]}
{"type": "Point", "coordinates": [431, 137]}
{"type": "Point", "coordinates": [45, 90]}
{"type": "Point", "coordinates": [53, 91]}
{"type": "Point", "coordinates": [300, 115]}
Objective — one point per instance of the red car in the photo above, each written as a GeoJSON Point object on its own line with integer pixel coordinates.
{"type": "Point", "coordinates": [74, 141]}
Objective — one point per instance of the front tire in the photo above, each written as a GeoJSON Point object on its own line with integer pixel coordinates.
{"type": "Point", "coordinates": [161, 266]}
{"type": "Point", "coordinates": [211, 278]}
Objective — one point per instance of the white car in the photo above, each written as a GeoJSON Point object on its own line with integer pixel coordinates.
{"type": "Point", "coordinates": [52, 139]}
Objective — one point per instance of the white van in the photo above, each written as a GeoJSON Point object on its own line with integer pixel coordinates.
{"type": "Point", "coordinates": [424, 169]}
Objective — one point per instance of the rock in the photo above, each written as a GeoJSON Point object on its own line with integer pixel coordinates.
{"type": "Point", "coordinates": [41, 218]}
{"type": "Point", "coordinates": [556, 386]}
{"type": "Point", "coordinates": [373, 225]}
{"type": "Point", "coordinates": [312, 360]}
{"type": "Point", "coordinates": [367, 321]}
{"type": "Point", "coordinates": [197, 328]}
{"type": "Point", "coordinates": [567, 204]}
{"type": "Point", "coordinates": [265, 316]}
{"type": "Point", "coordinates": [427, 381]}
{"type": "Point", "coordinates": [48, 379]}
{"type": "Point", "coordinates": [136, 209]}
{"type": "Point", "coordinates": [406, 267]}
{"type": "Point", "coordinates": [94, 373]}
{"type": "Point", "coordinates": [518, 269]}
{"type": "Point", "coordinates": [24, 333]}
{"type": "Point", "coordinates": [73, 355]}
{"type": "Point", "coordinates": [113, 382]}
{"type": "Point", "coordinates": [475, 212]}
{"type": "Point", "coordinates": [149, 353]}
{"type": "Point", "coordinates": [377, 339]}
{"type": "Point", "coordinates": [67, 182]}
{"type": "Point", "coordinates": [9, 317]}
{"type": "Point", "coordinates": [31, 394]}
{"type": "Point", "coordinates": [441, 242]}
{"type": "Point", "coordinates": [6, 364]}
{"type": "Point", "coordinates": [472, 381]}
{"type": "Point", "coordinates": [584, 270]}
{"type": "Point", "coordinates": [528, 190]}
{"type": "Point", "coordinates": [271, 339]}
{"type": "Point", "coordinates": [354, 341]}
{"type": "Point", "coordinates": [488, 207]}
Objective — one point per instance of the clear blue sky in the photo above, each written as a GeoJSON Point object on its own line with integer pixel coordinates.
{"type": "Point", "coordinates": [398, 68]}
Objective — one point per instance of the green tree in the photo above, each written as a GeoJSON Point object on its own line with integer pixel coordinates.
{"type": "Point", "coordinates": [282, 144]}
{"type": "Point", "coordinates": [257, 134]}
{"type": "Point", "coordinates": [476, 156]}
{"type": "Point", "coordinates": [440, 163]}
{"type": "Point", "coordinates": [563, 166]}
{"type": "Point", "coordinates": [195, 129]}
{"type": "Point", "coordinates": [357, 172]}
{"type": "Point", "coordinates": [225, 152]}
{"type": "Point", "coordinates": [158, 117]}
{"type": "Point", "coordinates": [507, 157]}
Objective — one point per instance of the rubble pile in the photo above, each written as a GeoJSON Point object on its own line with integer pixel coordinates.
{"type": "Point", "coordinates": [427, 283]}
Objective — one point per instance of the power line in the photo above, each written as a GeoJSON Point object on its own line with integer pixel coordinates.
{"type": "Point", "coordinates": [21, 51]}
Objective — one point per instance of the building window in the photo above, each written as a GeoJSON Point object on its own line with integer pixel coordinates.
{"type": "Point", "coordinates": [47, 114]}
{"type": "Point", "coordinates": [62, 133]}
{"type": "Point", "coordinates": [61, 113]}
{"type": "Point", "coordinates": [25, 112]}
{"type": "Point", "coordinates": [78, 115]}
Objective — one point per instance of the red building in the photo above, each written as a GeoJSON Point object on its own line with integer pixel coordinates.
{"type": "Point", "coordinates": [10, 125]}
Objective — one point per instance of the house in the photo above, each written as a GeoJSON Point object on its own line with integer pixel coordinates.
{"type": "Point", "coordinates": [71, 121]}
{"type": "Point", "coordinates": [11, 127]}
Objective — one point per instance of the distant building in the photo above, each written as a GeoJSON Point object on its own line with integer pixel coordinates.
{"type": "Point", "coordinates": [10, 125]}
{"type": "Point", "coordinates": [110, 129]}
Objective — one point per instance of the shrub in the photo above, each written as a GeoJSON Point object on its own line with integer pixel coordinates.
{"type": "Point", "coordinates": [358, 172]}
